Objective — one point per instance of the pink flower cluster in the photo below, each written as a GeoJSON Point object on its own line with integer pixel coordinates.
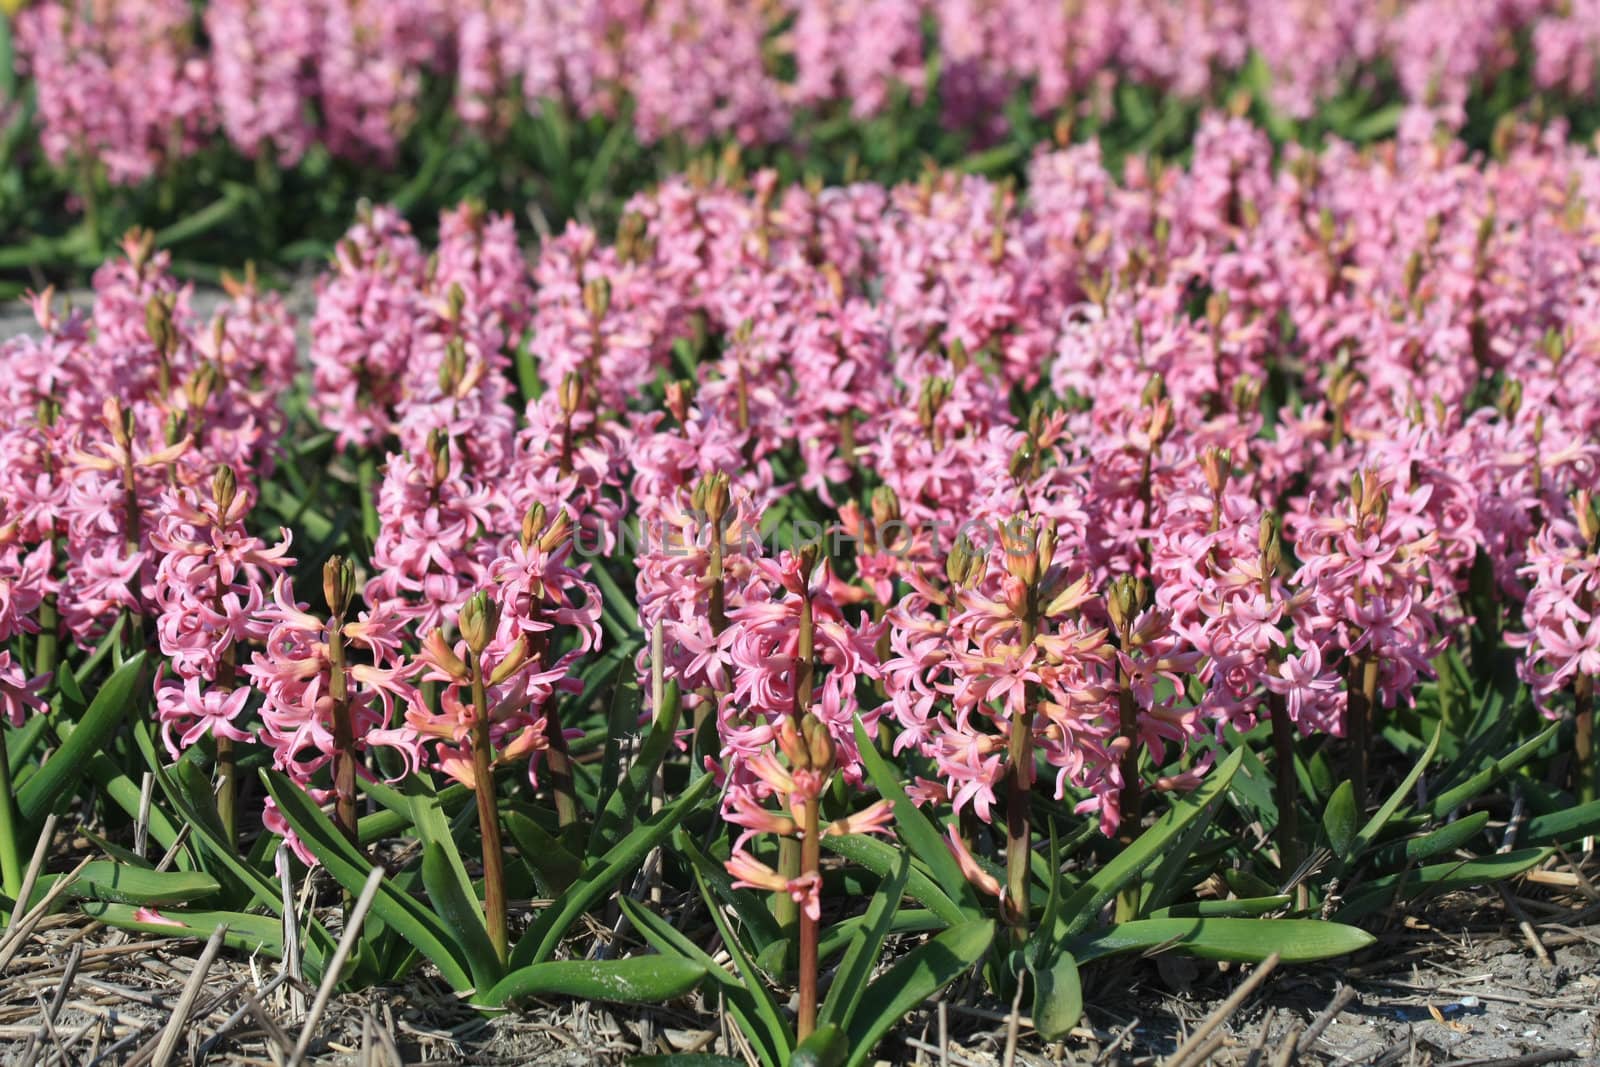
{"type": "Point", "coordinates": [1115, 463]}
{"type": "Point", "coordinates": [130, 87]}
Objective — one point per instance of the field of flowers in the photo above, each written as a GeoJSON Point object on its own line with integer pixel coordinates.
{"type": "Point", "coordinates": [796, 600]}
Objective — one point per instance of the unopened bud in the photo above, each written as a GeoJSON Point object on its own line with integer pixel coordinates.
{"type": "Point", "coordinates": [158, 324]}
{"type": "Point", "coordinates": [511, 663]}
{"type": "Point", "coordinates": [1020, 539]}
{"type": "Point", "coordinates": [176, 424]}
{"type": "Point", "coordinates": [597, 297]}
{"type": "Point", "coordinates": [559, 529]}
{"type": "Point", "coordinates": [571, 394]}
{"type": "Point", "coordinates": [1122, 602]}
{"type": "Point", "coordinates": [680, 397]}
{"type": "Point", "coordinates": [453, 368]}
{"type": "Point", "coordinates": [338, 584]}
{"type": "Point", "coordinates": [819, 743]}
{"type": "Point", "coordinates": [224, 487]}
{"type": "Point", "coordinates": [963, 566]}
{"type": "Point", "coordinates": [1510, 399]}
{"type": "Point", "coordinates": [1269, 538]}
{"type": "Point", "coordinates": [532, 524]}
{"type": "Point", "coordinates": [959, 359]}
{"type": "Point", "coordinates": [455, 302]}
{"type": "Point", "coordinates": [479, 619]}
{"type": "Point", "coordinates": [711, 496]}
{"type": "Point", "coordinates": [201, 384]}
{"type": "Point", "coordinates": [1412, 277]}
{"type": "Point", "coordinates": [885, 505]}
{"type": "Point", "coordinates": [439, 454]}
{"type": "Point", "coordinates": [1217, 305]}
{"type": "Point", "coordinates": [1588, 520]}
{"type": "Point", "coordinates": [1154, 390]}
{"type": "Point", "coordinates": [809, 555]}
{"type": "Point", "coordinates": [1216, 464]}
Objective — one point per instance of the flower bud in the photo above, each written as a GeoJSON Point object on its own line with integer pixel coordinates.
{"type": "Point", "coordinates": [819, 744]}
{"type": "Point", "coordinates": [158, 324]}
{"type": "Point", "coordinates": [511, 663]}
{"type": "Point", "coordinates": [532, 524]}
{"type": "Point", "coordinates": [176, 423]}
{"type": "Point", "coordinates": [1154, 390]}
{"type": "Point", "coordinates": [1411, 279]}
{"type": "Point", "coordinates": [1269, 538]}
{"type": "Point", "coordinates": [711, 497]}
{"type": "Point", "coordinates": [571, 394]}
{"type": "Point", "coordinates": [631, 237]}
{"type": "Point", "coordinates": [809, 555]}
{"type": "Point", "coordinates": [1020, 537]}
{"type": "Point", "coordinates": [1216, 464]}
{"type": "Point", "coordinates": [1510, 399]}
{"type": "Point", "coordinates": [224, 487]}
{"type": "Point", "coordinates": [885, 507]}
{"type": "Point", "coordinates": [439, 454]}
{"type": "Point", "coordinates": [963, 566]}
{"type": "Point", "coordinates": [559, 529]}
{"type": "Point", "coordinates": [1246, 393]}
{"type": "Point", "coordinates": [1588, 520]}
{"type": "Point", "coordinates": [680, 397]}
{"type": "Point", "coordinates": [1122, 602]}
{"type": "Point", "coordinates": [48, 411]}
{"type": "Point", "coordinates": [597, 297]}
{"type": "Point", "coordinates": [455, 302]}
{"type": "Point", "coordinates": [453, 368]}
{"type": "Point", "coordinates": [1554, 346]}
{"type": "Point", "coordinates": [338, 584]}
{"type": "Point", "coordinates": [139, 243]}
{"type": "Point", "coordinates": [1217, 305]}
{"type": "Point", "coordinates": [479, 619]}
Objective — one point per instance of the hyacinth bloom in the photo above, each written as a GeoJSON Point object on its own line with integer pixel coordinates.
{"type": "Point", "coordinates": [134, 87]}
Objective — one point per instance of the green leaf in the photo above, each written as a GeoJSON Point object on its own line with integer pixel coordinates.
{"type": "Point", "coordinates": [639, 980]}
{"type": "Point", "coordinates": [914, 829]}
{"type": "Point", "coordinates": [418, 925]}
{"type": "Point", "coordinates": [1339, 820]}
{"type": "Point", "coordinates": [623, 803]}
{"type": "Point", "coordinates": [127, 884]}
{"type": "Point", "coordinates": [553, 865]}
{"type": "Point", "coordinates": [1057, 997]}
{"type": "Point", "coordinates": [880, 857]}
{"type": "Point", "coordinates": [1218, 909]}
{"type": "Point", "coordinates": [540, 942]}
{"type": "Point", "coordinates": [61, 772]}
{"type": "Point", "coordinates": [685, 1059]}
{"type": "Point", "coordinates": [826, 1047]}
{"type": "Point", "coordinates": [855, 969]}
{"type": "Point", "coordinates": [1375, 825]}
{"type": "Point", "coordinates": [1085, 903]}
{"type": "Point", "coordinates": [1238, 940]}
{"type": "Point", "coordinates": [1562, 827]}
{"type": "Point", "coordinates": [921, 974]}
{"type": "Point", "coordinates": [1450, 799]}
{"type": "Point", "coordinates": [1379, 892]}
{"type": "Point", "coordinates": [249, 933]}
{"type": "Point", "coordinates": [442, 876]}
{"type": "Point", "coordinates": [748, 1001]}
{"type": "Point", "coordinates": [1425, 846]}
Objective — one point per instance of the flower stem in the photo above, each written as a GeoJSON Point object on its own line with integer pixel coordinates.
{"type": "Point", "coordinates": [1288, 786]}
{"type": "Point", "coordinates": [227, 775]}
{"type": "Point", "coordinates": [1019, 814]}
{"type": "Point", "coordinates": [344, 739]}
{"type": "Point", "coordinates": [1585, 771]}
{"type": "Point", "coordinates": [810, 866]}
{"type": "Point", "coordinates": [10, 858]}
{"type": "Point", "coordinates": [44, 661]}
{"type": "Point", "coordinates": [494, 879]}
{"type": "Point", "coordinates": [1129, 801]}
{"type": "Point", "coordinates": [1361, 693]}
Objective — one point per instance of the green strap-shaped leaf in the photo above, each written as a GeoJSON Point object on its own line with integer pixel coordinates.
{"type": "Point", "coordinates": [923, 972]}
{"type": "Point", "coordinates": [416, 924]}
{"type": "Point", "coordinates": [540, 942]}
{"type": "Point", "coordinates": [1450, 799]}
{"type": "Point", "coordinates": [826, 1047]}
{"type": "Point", "coordinates": [1446, 838]}
{"type": "Point", "coordinates": [1339, 820]}
{"type": "Point", "coordinates": [915, 830]}
{"type": "Point", "coordinates": [459, 908]}
{"type": "Point", "coordinates": [1057, 997]}
{"type": "Point", "coordinates": [1379, 892]}
{"type": "Point", "coordinates": [640, 980]}
{"type": "Point", "coordinates": [622, 803]}
{"type": "Point", "coordinates": [855, 969]}
{"type": "Point", "coordinates": [246, 932]}
{"type": "Point", "coordinates": [1369, 833]}
{"type": "Point", "coordinates": [104, 715]}
{"type": "Point", "coordinates": [1238, 940]}
{"type": "Point", "coordinates": [553, 865]}
{"type": "Point", "coordinates": [1082, 907]}
{"type": "Point", "coordinates": [748, 1000]}
{"type": "Point", "coordinates": [125, 883]}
